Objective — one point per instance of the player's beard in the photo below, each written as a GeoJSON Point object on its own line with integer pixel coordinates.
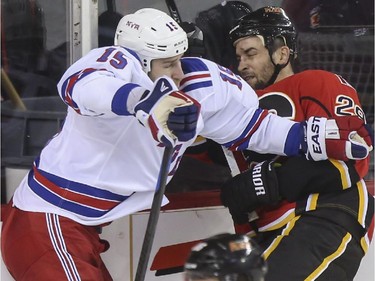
{"type": "Point", "coordinates": [261, 79]}
{"type": "Point", "coordinates": [259, 85]}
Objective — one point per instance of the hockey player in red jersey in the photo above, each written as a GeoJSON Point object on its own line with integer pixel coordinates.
{"type": "Point", "coordinates": [104, 163]}
{"type": "Point", "coordinates": [323, 231]}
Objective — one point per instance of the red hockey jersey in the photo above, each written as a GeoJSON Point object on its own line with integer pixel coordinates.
{"type": "Point", "coordinates": [316, 93]}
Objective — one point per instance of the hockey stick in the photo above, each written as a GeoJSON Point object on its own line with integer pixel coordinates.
{"type": "Point", "coordinates": [11, 91]}
{"type": "Point", "coordinates": [154, 215]}
{"type": "Point", "coordinates": [171, 259]}
{"type": "Point", "coordinates": [172, 8]}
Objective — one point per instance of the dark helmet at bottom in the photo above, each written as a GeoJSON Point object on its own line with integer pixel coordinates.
{"type": "Point", "coordinates": [270, 22]}
{"type": "Point", "coordinates": [227, 257]}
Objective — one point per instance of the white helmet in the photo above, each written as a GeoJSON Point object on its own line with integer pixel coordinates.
{"type": "Point", "coordinates": [152, 34]}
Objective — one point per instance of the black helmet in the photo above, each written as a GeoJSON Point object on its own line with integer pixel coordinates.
{"type": "Point", "coordinates": [215, 24]}
{"type": "Point", "coordinates": [226, 257]}
{"type": "Point", "coordinates": [270, 22]}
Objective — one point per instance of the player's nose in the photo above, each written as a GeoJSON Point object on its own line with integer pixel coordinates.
{"type": "Point", "coordinates": [177, 75]}
{"type": "Point", "coordinates": [241, 64]}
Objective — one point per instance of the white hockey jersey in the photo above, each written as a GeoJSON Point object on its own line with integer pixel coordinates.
{"type": "Point", "coordinates": [104, 164]}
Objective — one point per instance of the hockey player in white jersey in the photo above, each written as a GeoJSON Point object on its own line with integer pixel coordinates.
{"type": "Point", "coordinates": [123, 109]}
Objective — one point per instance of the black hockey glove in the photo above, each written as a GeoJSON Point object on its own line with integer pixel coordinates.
{"type": "Point", "coordinates": [245, 192]}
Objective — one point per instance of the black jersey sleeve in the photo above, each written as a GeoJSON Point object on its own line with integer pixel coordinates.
{"type": "Point", "coordinates": [299, 177]}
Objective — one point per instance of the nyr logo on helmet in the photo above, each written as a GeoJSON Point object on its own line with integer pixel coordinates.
{"type": "Point", "coordinates": [132, 25]}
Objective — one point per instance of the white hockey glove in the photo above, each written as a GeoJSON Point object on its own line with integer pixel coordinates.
{"type": "Point", "coordinates": [170, 114]}
{"type": "Point", "coordinates": [342, 138]}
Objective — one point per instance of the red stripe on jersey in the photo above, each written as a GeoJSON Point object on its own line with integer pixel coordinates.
{"type": "Point", "coordinates": [102, 204]}
{"type": "Point", "coordinates": [192, 77]}
{"type": "Point", "coordinates": [68, 97]}
{"type": "Point", "coordinates": [252, 130]}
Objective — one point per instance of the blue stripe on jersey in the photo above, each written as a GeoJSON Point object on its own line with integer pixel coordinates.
{"type": "Point", "coordinates": [192, 65]}
{"type": "Point", "coordinates": [197, 75]}
{"type": "Point", "coordinates": [195, 86]}
{"type": "Point", "coordinates": [79, 187]}
{"type": "Point", "coordinates": [72, 198]}
{"type": "Point", "coordinates": [65, 92]}
{"type": "Point", "coordinates": [69, 83]}
{"type": "Point", "coordinates": [242, 142]}
{"type": "Point", "coordinates": [133, 53]}
{"type": "Point", "coordinates": [120, 99]}
{"type": "Point", "coordinates": [82, 188]}
{"type": "Point", "coordinates": [60, 202]}
{"type": "Point", "coordinates": [293, 140]}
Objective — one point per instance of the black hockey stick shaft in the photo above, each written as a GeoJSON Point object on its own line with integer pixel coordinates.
{"type": "Point", "coordinates": [154, 215]}
{"type": "Point", "coordinates": [173, 11]}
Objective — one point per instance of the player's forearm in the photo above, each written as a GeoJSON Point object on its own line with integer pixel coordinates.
{"type": "Point", "coordinates": [99, 93]}
{"type": "Point", "coordinates": [298, 177]}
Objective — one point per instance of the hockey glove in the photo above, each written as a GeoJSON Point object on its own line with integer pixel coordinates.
{"type": "Point", "coordinates": [342, 138]}
{"type": "Point", "coordinates": [245, 192]}
{"type": "Point", "coordinates": [170, 114]}
{"type": "Point", "coordinates": [195, 40]}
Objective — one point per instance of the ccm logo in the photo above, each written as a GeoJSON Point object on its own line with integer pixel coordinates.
{"type": "Point", "coordinates": [257, 180]}
{"type": "Point", "coordinates": [315, 127]}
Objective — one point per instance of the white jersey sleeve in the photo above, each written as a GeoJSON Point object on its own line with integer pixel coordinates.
{"type": "Point", "coordinates": [104, 82]}
{"type": "Point", "coordinates": [231, 113]}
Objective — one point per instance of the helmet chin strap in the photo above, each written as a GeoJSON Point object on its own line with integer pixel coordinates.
{"type": "Point", "coordinates": [276, 72]}
{"type": "Point", "coordinates": [278, 68]}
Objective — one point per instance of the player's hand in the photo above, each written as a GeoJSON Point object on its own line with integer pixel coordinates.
{"type": "Point", "coordinates": [342, 138]}
{"type": "Point", "coordinates": [170, 114]}
{"type": "Point", "coordinates": [246, 191]}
